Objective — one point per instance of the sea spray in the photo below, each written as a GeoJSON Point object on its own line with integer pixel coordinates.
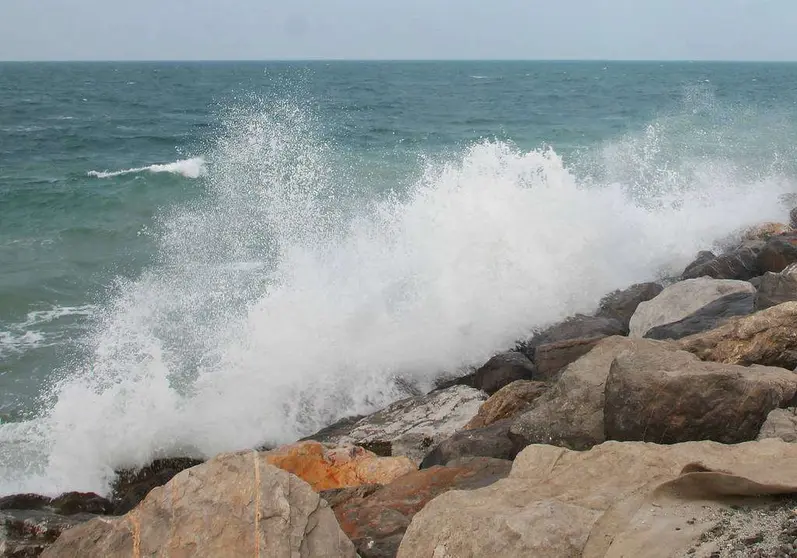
{"type": "Point", "coordinates": [280, 302]}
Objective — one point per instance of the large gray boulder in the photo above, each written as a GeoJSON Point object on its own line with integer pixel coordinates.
{"type": "Point", "coordinates": [777, 288]}
{"type": "Point", "coordinates": [712, 315]}
{"type": "Point", "coordinates": [233, 505]}
{"type": "Point", "coordinates": [413, 426]}
{"type": "Point", "coordinates": [682, 299]}
{"type": "Point", "coordinates": [655, 394]}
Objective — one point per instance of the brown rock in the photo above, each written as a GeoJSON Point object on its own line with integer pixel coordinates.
{"type": "Point", "coordinates": [570, 414]}
{"type": "Point", "coordinates": [326, 467]}
{"type": "Point", "coordinates": [768, 337]}
{"type": "Point", "coordinates": [765, 231]}
{"type": "Point", "coordinates": [489, 441]}
{"type": "Point", "coordinates": [740, 263]}
{"type": "Point", "coordinates": [552, 358]}
{"type": "Point", "coordinates": [499, 371]}
{"type": "Point", "coordinates": [507, 402]}
{"type": "Point", "coordinates": [779, 252]}
{"type": "Point", "coordinates": [654, 394]}
{"type": "Point", "coordinates": [72, 503]}
{"type": "Point", "coordinates": [777, 288]}
{"type": "Point", "coordinates": [621, 305]}
{"type": "Point", "coordinates": [377, 523]}
{"type": "Point", "coordinates": [233, 505]}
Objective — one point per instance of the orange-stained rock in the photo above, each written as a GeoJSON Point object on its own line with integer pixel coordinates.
{"type": "Point", "coordinates": [325, 467]}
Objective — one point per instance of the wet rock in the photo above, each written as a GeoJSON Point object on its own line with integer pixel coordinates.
{"type": "Point", "coordinates": [233, 505]}
{"type": "Point", "coordinates": [710, 316]}
{"type": "Point", "coordinates": [782, 424]}
{"type": "Point", "coordinates": [777, 288]}
{"type": "Point", "coordinates": [376, 523]}
{"type": "Point", "coordinates": [499, 371]}
{"type": "Point", "coordinates": [27, 533]}
{"type": "Point", "coordinates": [778, 253]}
{"type": "Point", "coordinates": [489, 441]}
{"type": "Point", "coordinates": [570, 414]}
{"type": "Point", "coordinates": [131, 486]}
{"type": "Point", "coordinates": [703, 257]}
{"type": "Point", "coordinates": [768, 337]}
{"type": "Point", "coordinates": [621, 304]}
{"type": "Point", "coordinates": [24, 502]}
{"type": "Point", "coordinates": [740, 263]}
{"type": "Point", "coordinates": [552, 358]}
{"type": "Point", "coordinates": [326, 467]}
{"type": "Point", "coordinates": [655, 394]}
{"type": "Point", "coordinates": [412, 426]}
{"type": "Point", "coordinates": [579, 326]}
{"type": "Point", "coordinates": [507, 402]}
{"type": "Point", "coordinates": [682, 299]}
{"type": "Point", "coordinates": [72, 503]}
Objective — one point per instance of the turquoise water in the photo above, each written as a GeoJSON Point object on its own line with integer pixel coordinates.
{"type": "Point", "coordinates": [198, 257]}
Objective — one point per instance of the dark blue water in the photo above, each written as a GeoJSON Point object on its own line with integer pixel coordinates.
{"type": "Point", "coordinates": [202, 256]}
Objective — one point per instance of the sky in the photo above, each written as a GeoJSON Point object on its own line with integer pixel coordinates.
{"type": "Point", "coordinates": [397, 29]}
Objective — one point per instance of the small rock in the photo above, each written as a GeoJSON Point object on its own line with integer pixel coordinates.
{"type": "Point", "coordinates": [73, 503]}
{"type": "Point", "coordinates": [507, 402]}
{"type": "Point", "coordinates": [780, 423]}
{"type": "Point", "coordinates": [777, 288]}
{"type": "Point", "coordinates": [620, 305]}
{"type": "Point", "coordinates": [779, 252]}
{"type": "Point", "coordinates": [501, 370]}
{"type": "Point", "coordinates": [490, 441]}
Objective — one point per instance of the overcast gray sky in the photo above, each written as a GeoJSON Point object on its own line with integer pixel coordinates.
{"type": "Point", "coordinates": [399, 29]}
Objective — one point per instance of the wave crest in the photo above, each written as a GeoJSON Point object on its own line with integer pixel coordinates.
{"type": "Point", "coordinates": [189, 168]}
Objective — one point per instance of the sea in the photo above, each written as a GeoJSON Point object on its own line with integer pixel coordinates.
{"type": "Point", "coordinates": [206, 257]}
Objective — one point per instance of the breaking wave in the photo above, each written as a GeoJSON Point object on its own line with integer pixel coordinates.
{"type": "Point", "coordinates": [189, 168]}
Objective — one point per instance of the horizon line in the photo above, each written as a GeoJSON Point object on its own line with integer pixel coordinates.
{"type": "Point", "coordinates": [388, 60]}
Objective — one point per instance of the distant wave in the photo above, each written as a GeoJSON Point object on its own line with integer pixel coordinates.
{"type": "Point", "coordinates": [189, 168]}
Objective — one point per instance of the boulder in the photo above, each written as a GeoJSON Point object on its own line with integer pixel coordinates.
{"type": "Point", "coordinates": [680, 300]}
{"type": "Point", "coordinates": [326, 467]}
{"type": "Point", "coordinates": [778, 253]}
{"type": "Point", "coordinates": [777, 288]}
{"type": "Point", "coordinates": [740, 263]}
{"type": "Point", "coordinates": [377, 522]}
{"type": "Point", "coordinates": [499, 371]}
{"type": "Point", "coordinates": [712, 315]}
{"type": "Point", "coordinates": [655, 394]}
{"type": "Point", "coordinates": [233, 505]}
{"type": "Point", "coordinates": [703, 257]}
{"type": "Point", "coordinates": [782, 424]}
{"type": "Point", "coordinates": [489, 441]}
{"type": "Point", "coordinates": [620, 305]}
{"type": "Point", "coordinates": [132, 485]}
{"type": "Point", "coordinates": [507, 402]}
{"type": "Point", "coordinates": [559, 345]}
{"type": "Point", "coordinates": [620, 499]}
{"type": "Point", "coordinates": [768, 337]}
{"type": "Point", "coordinates": [27, 533]}
{"type": "Point", "coordinates": [570, 414]}
{"type": "Point", "coordinates": [412, 426]}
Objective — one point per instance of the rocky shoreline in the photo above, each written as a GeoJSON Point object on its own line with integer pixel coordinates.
{"type": "Point", "coordinates": [661, 425]}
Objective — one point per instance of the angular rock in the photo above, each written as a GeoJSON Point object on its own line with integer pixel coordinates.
{"type": "Point", "coordinates": [376, 523]}
{"type": "Point", "coordinates": [782, 424]}
{"type": "Point", "coordinates": [499, 371]}
{"type": "Point", "coordinates": [24, 502]}
{"type": "Point", "coordinates": [559, 345]}
{"type": "Point", "coordinates": [412, 426]}
{"type": "Point", "coordinates": [131, 486]}
{"type": "Point", "coordinates": [621, 305]}
{"type": "Point", "coordinates": [233, 505]}
{"type": "Point", "coordinates": [765, 231]}
{"type": "Point", "coordinates": [489, 441]}
{"type": "Point", "coordinates": [570, 414]}
{"type": "Point", "coordinates": [740, 263]}
{"type": "Point", "coordinates": [768, 337]}
{"type": "Point", "coordinates": [507, 402]}
{"type": "Point", "coordinates": [680, 300]}
{"type": "Point", "coordinates": [326, 467]}
{"type": "Point", "coordinates": [703, 257]}
{"type": "Point", "coordinates": [654, 394]}
{"type": "Point", "coordinates": [27, 533]}
{"type": "Point", "coordinates": [777, 288]}
{"type": "Point", "coordinates": [617, 500]}
{"type": "Point", "coordinates": [712, 315]}
{"type": "Point", "coordinates": [778, 253]}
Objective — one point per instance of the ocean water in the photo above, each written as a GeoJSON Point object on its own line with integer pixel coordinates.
{"type": "Point", "coordinates": [205, 257]}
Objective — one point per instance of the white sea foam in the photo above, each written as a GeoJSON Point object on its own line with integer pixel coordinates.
{"type": "Point", "coordinates": [189, 168]}
{"type": "Point", "coordinates": [19, 341]}
{"type": "Point", "coordinates": [338, 299]}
